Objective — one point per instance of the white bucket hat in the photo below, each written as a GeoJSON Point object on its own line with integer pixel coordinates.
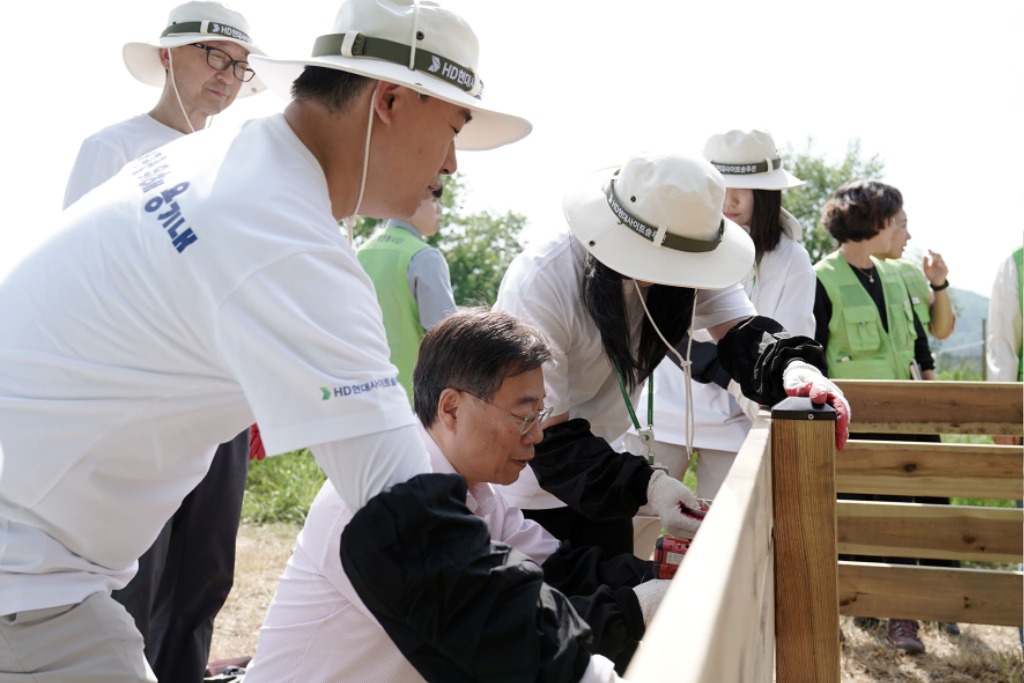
{"type": "Point", "coordinates": [372, 38]}
{"type": "Point", "coordinates": [749, 161]}
{"type": "Point", "coordinates": [659, 218]}
{"type": "Point", "coordinates": [193, 22]}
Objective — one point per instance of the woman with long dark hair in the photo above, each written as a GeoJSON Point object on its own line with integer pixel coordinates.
{"type": "Point", "coordinates": [647, 256]}
{"type": "Point", "coordinates": [780, 285]}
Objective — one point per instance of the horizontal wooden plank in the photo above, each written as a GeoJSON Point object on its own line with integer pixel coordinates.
{"type": "Point", "coordinates": [971, 596]}
{"type": "Point", "coordinates": [935, 407]}
{"type": "Point", "coordinates": [930, 469]}
{"type": "Point", "coordinates": [727, 579]}
{"type": "Point", "coordinates": [950, 532]}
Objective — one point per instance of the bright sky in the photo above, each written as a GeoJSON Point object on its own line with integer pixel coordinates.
{"type": "Point", "coordinates": [935, 89]}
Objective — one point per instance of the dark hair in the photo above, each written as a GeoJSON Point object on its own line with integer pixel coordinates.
{"type": "Point", "coordinates": [605, 301]}
{"type": "Point", "coordinates": [765, 222]}
{"type": "Point", "coordinates": [332, 88]}
{"type": "Point", "coordinates": [473, 350]}
{"type": "Point", "coordinates": [859, 210]}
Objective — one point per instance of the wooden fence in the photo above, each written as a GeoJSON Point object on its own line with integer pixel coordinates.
{"type": "Point", "coordinates": [760, 593]}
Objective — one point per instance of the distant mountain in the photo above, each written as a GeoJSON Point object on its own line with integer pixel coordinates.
{"type": "Point", "coordinates": [966, 342]}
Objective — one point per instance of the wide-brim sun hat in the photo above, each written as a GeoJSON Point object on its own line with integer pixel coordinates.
{"type": "Point", "coordinates": [749, 160]}
{"type": "Point", "coordinates": [193, 22]}
{"type": "Point", "coordinates": [658, 218]}
{"type": "Point", "coordinates": [379, 38]}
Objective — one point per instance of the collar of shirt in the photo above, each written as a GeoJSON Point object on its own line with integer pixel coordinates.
{"type": "Point", "coordinates": [395, 223]}
{"type": "Point", "coordinates": [480, 497]}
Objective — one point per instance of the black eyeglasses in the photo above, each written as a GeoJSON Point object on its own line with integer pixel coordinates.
{"type": "Point", "coordinates": [526, 422]}
{"type": "Point", "coordinates": [221, 60]}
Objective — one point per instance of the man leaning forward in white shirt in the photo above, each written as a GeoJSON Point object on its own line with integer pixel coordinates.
{"type": "Point", "coordinates": [479, 395]}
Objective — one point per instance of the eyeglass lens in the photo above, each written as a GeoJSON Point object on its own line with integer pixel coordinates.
{"type": "Point", "coordinates": [530, 420]}
{"type": "Point", "coordinates": [220, 60]}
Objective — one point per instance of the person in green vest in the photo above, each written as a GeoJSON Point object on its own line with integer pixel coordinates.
{"type": "Point", "coordinates": [865, 319]}
{"type": "Point", "coordinates": [928, 286]}
{"type": "Point", "coordinates": [864, 316]}
{"type": "Point", "coordinates": [928, 283]}
{"type": "Point", "coordinates": [412, 280]}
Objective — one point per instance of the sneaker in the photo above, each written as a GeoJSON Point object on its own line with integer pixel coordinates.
{"type": "Point", "coordinates": [950, 627]}
{"type": "Point", "coordinates": [902, 635]}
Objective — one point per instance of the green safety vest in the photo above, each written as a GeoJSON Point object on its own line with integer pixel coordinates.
{"type": "Point", "coordinates": [385, 258]}
{"type": "Point", "coordinates": [917, 285]}
{"type": "Point", "coordinates": [1018, 258]}
{"type": "Point", "coordinates": [859, 347]}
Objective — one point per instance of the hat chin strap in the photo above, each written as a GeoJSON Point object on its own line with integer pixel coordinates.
{"type": "Point", "coordinates": [350, 220]}
{"type": "Point", "coordinates": [174, 87]}
{"type": "Point", "coordinates": [684, 363]}
{"type": "Point", "coordinates": [415, 31]}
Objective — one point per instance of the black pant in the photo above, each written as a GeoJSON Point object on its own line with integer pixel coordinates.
{"type": "Point", "coordinates": [613, 537]}
{"type": "Point", "coordinates": [185, 577]}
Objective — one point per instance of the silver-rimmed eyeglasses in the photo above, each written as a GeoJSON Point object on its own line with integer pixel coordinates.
{"type": "Point", "coordinates": [526, 422]}
{"type": "Point", "coordinates": [220, 60]}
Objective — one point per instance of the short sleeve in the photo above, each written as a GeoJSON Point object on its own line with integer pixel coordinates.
{"type": "Point", "coordinates": [314, 366]}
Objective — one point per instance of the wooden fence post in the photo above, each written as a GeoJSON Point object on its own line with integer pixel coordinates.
{"type": "Point", "coordinates": [806, 574]}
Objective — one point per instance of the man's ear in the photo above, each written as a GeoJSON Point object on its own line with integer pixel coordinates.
{"type": "Point", "coordinates": [385, 96]}
{"type": "Point", "coordinates": [165, 60]}
{"type": "Point", "coordinates": [448, 408]}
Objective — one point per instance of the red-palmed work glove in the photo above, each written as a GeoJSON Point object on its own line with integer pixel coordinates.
{"type": "Point", "coordinates": [256, 451]}
{"type": "Point", "coordinates": [679, 509]}
{"type": "Point", "coordinates": [803, 379]}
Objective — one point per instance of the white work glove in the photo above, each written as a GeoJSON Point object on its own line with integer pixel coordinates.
{"type": "Point", "coordinates": [803, 379]}
{"type": "Point", "coordinates": [600, 670]}
{"type": "Point", "coordinates": [649, 594]}
{"type": "Point", "coordinates": [678, 508]}
{"type": "Point", "coordinates": [749, 408]}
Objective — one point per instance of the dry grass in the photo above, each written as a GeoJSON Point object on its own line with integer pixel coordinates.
{"type": "Point", "coordinates": [262, 552]}
{"type": "Point", "coordinates": [982, 654]}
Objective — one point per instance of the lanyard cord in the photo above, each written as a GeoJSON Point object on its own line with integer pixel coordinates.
{"type": "Point", "coordinates": [684, 363]}
{"type": "Point", "coordinates": [646, 435]}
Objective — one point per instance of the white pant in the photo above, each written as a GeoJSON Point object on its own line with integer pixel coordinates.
{"type": "Point", "coordinates": [94, 641]}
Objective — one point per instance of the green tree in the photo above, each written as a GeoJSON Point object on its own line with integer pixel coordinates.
{"type": "Point", "coordinates": [821, 180]}
{"type": "Point", "coordinates": [478, 247]}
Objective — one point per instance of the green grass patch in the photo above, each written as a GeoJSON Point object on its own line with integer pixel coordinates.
{"type": "Point", "coordinates": [281, 488]}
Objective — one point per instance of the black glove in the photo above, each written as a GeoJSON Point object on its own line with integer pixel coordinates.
{"type": "Point", "coordinates": [757, 350]}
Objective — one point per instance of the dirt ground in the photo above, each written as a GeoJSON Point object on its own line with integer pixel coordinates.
{"type": "Point", "coordinates": [981, 654]}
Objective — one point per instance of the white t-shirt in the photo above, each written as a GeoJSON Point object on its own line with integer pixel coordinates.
{"type": "Point", "coordinates": [542, 286]}
{"type": "Point", "coordinates": [1004, 325]}
{"type": "Point", "coordinates": [204, 287]}
{"type": "Point", "coordinates": [781, 287]}
{"type": "Point", "coordinates": [318, 629]}
{"type": "Point", "coordinates": [104, 153]}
